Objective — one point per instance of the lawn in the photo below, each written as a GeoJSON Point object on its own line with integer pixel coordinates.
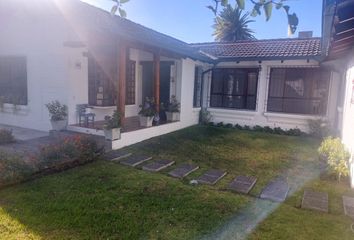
{"type": "Point", "coordinates": [105, 200]}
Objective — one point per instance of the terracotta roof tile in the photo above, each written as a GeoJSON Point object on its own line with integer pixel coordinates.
{"type": "Point", "coordinates": [263, 49]}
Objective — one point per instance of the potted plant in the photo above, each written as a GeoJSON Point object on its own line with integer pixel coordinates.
{"type": "Point", "coordinates": [112, 126]}
{"type": "Point", "coordinates": [172, 113]}
{"type": "Point", "coordinates": [58, 115]}
{"type": "Point", "coordinates": [147, 112]}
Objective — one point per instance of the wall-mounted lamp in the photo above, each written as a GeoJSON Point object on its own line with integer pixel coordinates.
{"type": "Point", "coordinates": [282, 61]}
{"type": "Point", "coordinates": [308, 60]}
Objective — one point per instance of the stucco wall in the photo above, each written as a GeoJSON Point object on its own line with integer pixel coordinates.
{"type": "Point", "coordinates": [260, 116]}
{"type": "Point", "coordinates": [54, 72]}
{"type": "Point", "coordinates": [348, 114]}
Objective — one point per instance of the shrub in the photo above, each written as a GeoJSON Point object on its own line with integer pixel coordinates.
{"type": "Point", "coordinates": [57, 111]}
{"type": "Point", "coordinates": [112, 121]}
{"type": "Point", "coordinates": [228, 125]}
{"type": "Point", "coordinates": [220, 124]}
{"type": "Point", "coordinates": [319, 128]}
{"type": "Point", "coordinates": [336, 155]}
{"type": "Point", "coordinates": [13, 169]}
{"type": "Point", "coordinates": [204, 116]}
{"type": "Point", "coordinates": [6, 136]}
{"type": "Point", "coordinates": [148, 108]}
{"type": "Point", "coordinates": [73, 151]}
{"type": "Point", "coordinates": [173, 105]}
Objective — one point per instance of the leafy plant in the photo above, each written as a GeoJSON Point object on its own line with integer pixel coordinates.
{"type": "Point", "coordinates": [6, 136]}
{"type": "Point", "coordinates": [148, 109]}
{"type": "Point", "coordinates": [57, 111]}
{"type": "Point", "coordinates": [173, 105]}
{"type": "Point", "coordinates": [204, 116]}
{"type": "Point", "coordinates": [113, 121]}
{"type": "Point", "coordinates": [337, 156]}
{"type": "Point", "coordinates": [319, 128]}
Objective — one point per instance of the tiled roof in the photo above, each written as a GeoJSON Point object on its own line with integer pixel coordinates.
{"type": "Point", "coordinates": [136, 32]}
{"type": "Point", "coordinates": [263, 49]}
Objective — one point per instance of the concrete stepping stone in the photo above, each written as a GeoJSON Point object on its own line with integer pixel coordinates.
{"type": "Point", "coordinates": [116, 155]}
{"type": "Point", "coordinates": [158, 165]}
{"type": "Point", "coordinates": [315, 200]}
{"type": "Point", "coordinates": [243, 184]}
{"type": "Point", "coordinates": [348, 204]}
{"type": "Point", "coordinates": [276, 190]}
{"type": "Point", "coordinates": [183, 170]}
{"type": "Point", "coordinates": [211, 177]}
{"type": "Point", "coordinates": [135, 160]}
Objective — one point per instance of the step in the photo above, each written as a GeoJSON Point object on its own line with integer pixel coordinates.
{"type": "Point", "coordinates": [158, 165]}
{"type": "Point", "coordinates": [243, 184]}
{"type": "Point", "coordinates": [211, 177]}
{"type": "Point", "coordinates": [135, 160]}
{"type": "Point", "coordinates": [183, 170]}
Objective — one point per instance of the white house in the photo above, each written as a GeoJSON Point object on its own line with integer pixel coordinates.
{"type": "Point", "coordinates": [70, 51]}
{"type": "Point", "coordinates": [338, 48]}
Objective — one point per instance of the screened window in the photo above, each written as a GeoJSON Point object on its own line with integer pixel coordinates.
{"type": "Point", "coordinates": [13, 80]}
{"type": "Point", "coordinates": [130, 83]}
{"type": "Point", "coordinates": [197, 87]}
{"type": "Point", "coordinates": [298, 90]}
{"type": "Point", "coordinates": [234, 88]}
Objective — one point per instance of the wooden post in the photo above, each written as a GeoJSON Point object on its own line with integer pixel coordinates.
{"type": "Point", "coordinates": [122, 66]}
{"type": "Point", "coordinates": [157, 80]}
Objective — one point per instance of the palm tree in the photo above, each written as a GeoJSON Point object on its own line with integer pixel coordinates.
{"type": "Point", "coordinates": [230, 25]}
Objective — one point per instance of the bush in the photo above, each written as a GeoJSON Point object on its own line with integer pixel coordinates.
{"type": "Point", "coordinates": [73, 151]}
{"type": "Point", "coordinates": [204, 116]}
{"type": "Point", "coordinates": [173, 105]}
{"type": "Point", "coordinates": [112, 121]}
{"type": "Point", "coordinates": [336, 155]}
{"type": "Point", "coordinates": [148, 108]}
{"type": "Point", "coordinates": [6, 136]}
{"type": "Point", "coordinates": [319, 128]}
{"type": "Point", "coordinates": [13, 169]}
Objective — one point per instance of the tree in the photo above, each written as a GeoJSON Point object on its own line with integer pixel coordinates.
{"type": "Point", "coordinates": [230, 25]}
{"type": "Point", "coordinates": [258, 6]}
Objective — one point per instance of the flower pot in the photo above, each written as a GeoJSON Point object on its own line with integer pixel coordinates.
{"type": "Point", "coordinates": [146, 121]}
{"type": "Point", "coordinates": [112, 134]}
{"type": "Point", "coordinates": [59, 125]}
{"type": "Point", "coordinates": [172, 116]}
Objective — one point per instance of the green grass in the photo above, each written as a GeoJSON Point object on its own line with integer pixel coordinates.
{"type": "Point", "coordinates": [105, 200]}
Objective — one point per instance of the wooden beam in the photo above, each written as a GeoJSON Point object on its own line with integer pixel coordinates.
{"type": "Point", "coordinates": [157, 80]}
{"type": "Point", "coordinates": [122, 66]}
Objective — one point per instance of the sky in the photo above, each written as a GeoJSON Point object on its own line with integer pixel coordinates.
{"type": "Point", "coordinates": [191, 21]}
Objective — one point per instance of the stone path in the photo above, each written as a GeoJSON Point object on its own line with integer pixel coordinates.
{"type": "Point", "coordinates": [211, 177]}
{"type": "Point", "coordinates": [134, 160]}
{"type": "Point", "coordinates": [348, 204]}
{"type": "Point", "coordinates": [158, 165]}
{"type": "Point", "coordinates": [242, 184]}
{"type": "Point", "coordinates": [276, 190]}
{"type": "Point", "coordinates": [116, 155]}
{"type": "Point", "coordinates": [315, 201]}
{"type": "Point", "coordinates": [183, 170]}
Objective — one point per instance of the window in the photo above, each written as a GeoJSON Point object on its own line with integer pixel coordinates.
{"type": "Point", "coordinates": [130, 83]}
{"type": "Point", "coordinates": [102, 81]}
{"type": "Point", "coordinates": [234, 88]}
{"type": "Point", "coordinates": [197, 87]}
{"type": "Point", "coordinates": [298, 90]}
{"type": "Point", "coordinates": [13, 80]}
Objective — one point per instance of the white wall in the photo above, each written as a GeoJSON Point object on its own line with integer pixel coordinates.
{"type": "Point", "coordinates": [54, 72]}
{"type": "Point", "coordinates": [260, 116]}
{"type": "Point", "coordinates": [348, 115]}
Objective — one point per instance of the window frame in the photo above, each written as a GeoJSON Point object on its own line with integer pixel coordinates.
{"type": "Point", "coordinates": [320, 71]}
{"type": "Point", "coordinates": [246, 95]}
{"type": "Point", "coordinates": [130, 87]}
{"type": "Point", "coordinates": [22, 94]}
{"type": "Point", "coordinates": [198, 92]}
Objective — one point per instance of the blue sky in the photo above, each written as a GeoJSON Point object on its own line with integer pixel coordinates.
{"type": "Point", "coordinates": [191, 21]}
